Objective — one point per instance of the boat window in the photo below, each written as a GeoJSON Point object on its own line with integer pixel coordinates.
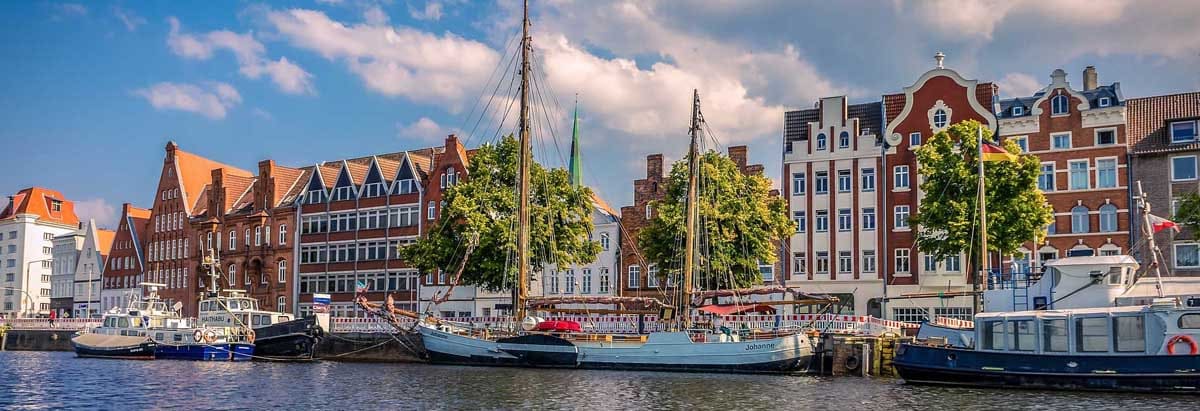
{"type": "Point", "coordinates": [1054, 335]}
{"type": "Point", "coordinates": [250, 304]}
{"type": "Point", "coordinates": [1130, 333]}
{"type": "Point", "coordinates": [108, 322]}
{"type": "Point", "coordinates": [993, 335]}
{"type": "Point", "coordinates": [284, 318]}
{"type": "Point", "coordinates": [177, 337]}
{"type": "Point", "coordinates": [204, 306]}
{"type": "Point", "coordinates": [136, 322]}
{"type": "Point", "coordinates": [158, 337]}
{"type": "Point", "coordinates": [1114, 276]}
{"type": "Point", "coordinates": [1190, 321]}
{"type": "Point", "coordinates": [257, 320]}
{"type": "Point", "coordinates": [123, 322]}
{"type": "Point", "coordinates": [233, 304]}
{"type": "Point", "coordinates": [1024, 336]}
{"type": "Point", "coordinates": [1092, 334]}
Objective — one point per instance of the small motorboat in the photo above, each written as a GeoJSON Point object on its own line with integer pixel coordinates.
{"type": "Point", "coordinates": [120, 337]}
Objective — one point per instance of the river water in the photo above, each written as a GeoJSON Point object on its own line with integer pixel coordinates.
{"type": "Point", "coordinates": [56, 380]}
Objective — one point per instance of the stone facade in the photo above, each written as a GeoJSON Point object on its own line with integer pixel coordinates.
{"type": "Point", "coordinates": [123, 272]}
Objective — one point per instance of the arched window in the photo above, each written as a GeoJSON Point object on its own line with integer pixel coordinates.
{"type": "Point", "coordinates": [282, 271]}
{"type": "Point", "coordinates": [1058, 105]}
{"type": "Point", "coordinates": [939, 118]}
{"type": "Point", "coordinates": [844, 140]}
{"type": "Point", "coordinates": [232, 275]}
{"type": "Point", "coordinates": [1108, 218]}
{"type": "Point", "coordinates": [1079, 219]}
{"type": "Point", "coordinates": [820, 141]}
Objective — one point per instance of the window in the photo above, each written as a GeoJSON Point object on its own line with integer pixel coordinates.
{"type": "Point", "coordinates": [257, 235]}
{"type": "Point", "coordinates": [953, 264]}
{"type": "Point", "coordinates": [844, 140]}
{"type": "Point", "coordinates": [822, 262]}
{"type": "Point", "coordinates": [821, 221]}
{"type": "Point", "coordinates": [1058, 105]}
{"type": "Point", "coordinates": [868, 179]}
{"type": "Point", "coordinates": [247, 237]}
{"type": "Point", "coordinates": [845, 221]}
{"type": "Point", "coordinates": [232, 239]}
{"type": "Point", "coordinates": [1018, 110]}
{"type": "Point", "coordinates": [914, 139]}
{"type": "Point", "coordinates": [649, 211]}
{"type": "Point", "coordinates": [902, 255]}
{"type": "Point", "coordinates": [1061, 141]}
{"type": "Point", "coordinates": [843, 181]}
{"type": "Point", "coordinates": [766, 271]}
{"type": "Point", "coordinates": [1183, 131]}
{"type": "Point", "coordinates": [232, 275]}
{"type": "Point", "coordinates": [281, 303]}
{"type": "Point", "coordinates": [1105, 102]}
{"type": "Point", "coordinates": [939, 118]}
{"type": "Point", "coordinates": [1024, 336]}
{"type": "Point", "coordinates": [1091, 334]}
{"type": "Point", "coordinates": [868, 261]}
{"type": "Point", "coordinates": [1183, 168]}
{"type": "Point", "coordinates": [993, 335]}
{"type": "Point", "coordinates": [900, 174]}
{"type": "Point", "coordinates": [635, 274]}
{"type": "Point", "coordinates": [845, 262]}
{"type": "Point", "coordinates": [1046, 178]}
{"type": "Point", "coordinates": [1079, 219]}
{"type": "Point", "coordinates": [801, 220]}
{"type": "Point", "coordinates": [431, 212]}
{"type": "Point", "coordinates": [1106, 173]}
{"type": "Point", "coordinates": [282, 271]}
{"type": "Point", "coordinates": [787, 147]}
{"type": "Point", "coordinates": [800, 266]}
{"type": "Point", "coordinates": [798, 183]}
{"type": "Point", "coordinates": [868, 218]}
{"type": "Point", "coordinates": [1106, 137]}
{"type": "Point", "coordinates": [373, 190]}
{"type": "Point", "coordinates": [1022, 142]}
{"type": "Point", "coordinates": [822, 182]}
{"type": "Point", "coordinates": [651, 275]}
{"type": "Point", "coordinates": [901, 219]}
{"type": "Point", "coordinates": [1054, 335]}
{"type": "Point", "coordinates": [1108, 218]}
{"type": "Point", "coordinates": [1078, 174]}
{"type": "Point", "coordinates": [1187, 255]}
{"type": "Point", "coordinates": [931, 262]}
{"type": "Point", "coordinates": [958, 313]}
{"type": "Point", "coordinates": [820, 141]}
{"type": "Point", "coordinates": [343, 193]}
{"type": "Point", "coordinates": [604, 241]}
{"type": "Point", "coordinates": [910, 314]}
{"type": "Point", "coordinates": [282, 234]}
{"type": "Point", "coordinates": [1189, 321]}
{"type": "Point", "coordinates": [569, 279]}
{"type": "Point", "coordinates": [604, 281]}
{"type": "Point", "coordinates": [406, 186]}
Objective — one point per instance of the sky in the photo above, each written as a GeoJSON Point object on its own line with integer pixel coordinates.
{"type": "Point", "coordinates": [91, 92]}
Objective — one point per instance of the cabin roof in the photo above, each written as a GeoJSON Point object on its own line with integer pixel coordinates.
{"type": "Point", "coordinates": [1093, 260]}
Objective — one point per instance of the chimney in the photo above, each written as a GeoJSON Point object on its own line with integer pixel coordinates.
{"type": "Point", "coordinates": [1090, 78]}
{"type": "Point", "coordinates": [265, 192]}
{"type": "Point", "coordinates": [738, 155]}
{"type": "Point", "coordinates": [654, 166]}
{"type": "Point", "coordinates": [216, 194]}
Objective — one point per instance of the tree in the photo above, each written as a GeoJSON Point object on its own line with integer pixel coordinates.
{"type": "Point", "coordinates": [947, 221]}
{"type": "Point", "coordinates": [483, 208]}
{"type": "Point", "coordinates": [739, 222]}
{"type": "Point", "coordinates": [1188, 214]}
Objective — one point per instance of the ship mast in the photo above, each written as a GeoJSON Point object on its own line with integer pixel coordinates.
{"type": "Point", "coordinates": [690, 229]}
{"type": "Point", "coordinates": [523, 177]}
{"type": "Point", "coordinates": [1149, 231]}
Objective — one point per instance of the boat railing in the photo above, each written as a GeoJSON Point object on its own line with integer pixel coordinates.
{"type": "Point", "coordinates": [75, 324]}
{"type": "Point", "coordinates": [953, 323]}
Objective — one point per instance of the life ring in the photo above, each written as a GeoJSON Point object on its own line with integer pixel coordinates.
{"type": "Point", "coordinates": [210, 336]}
{"type": "Point", "coordinates": [1191, 342]}
{"type": "Point", "coordinates": [197, 335]}
{"type": "Point", "coordinates": [250, 336]}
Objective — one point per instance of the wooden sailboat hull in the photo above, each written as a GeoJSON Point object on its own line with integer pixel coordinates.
{"type": "Point", "coordinates": [663, 351]}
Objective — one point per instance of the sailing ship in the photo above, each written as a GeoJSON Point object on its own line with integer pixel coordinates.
{"type": "Point", "coordinates": [560, 344]}
{"type": "Point", "coordinates": [276, 335]}
{"type": "Point", "coordinates": [147, 329]}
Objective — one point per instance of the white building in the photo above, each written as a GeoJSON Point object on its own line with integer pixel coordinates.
{"type": "Point", "coordinates": [62, 278]}
{"type": "Point", "coordinates": [594, 279]}
{"type": "Point", "coordinates": [90, 268]}
{"type": "Point", "coordinates": [28, 225]}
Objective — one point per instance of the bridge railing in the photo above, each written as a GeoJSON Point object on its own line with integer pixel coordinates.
{"type": "Point", "coordinates": [628, 324]}
{"type": "Point", "coordinates": [44, 324]}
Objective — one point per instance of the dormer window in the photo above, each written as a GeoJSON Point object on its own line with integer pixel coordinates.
{"type": "Point", "coordinates": [1183, 131]}
{"type": "Point", "coordinates": [406, 186]}
{"type": "Point", "coordinates": [315, 196]}
{"type": "Point", "coordinates": [1104, 102]}
{"type": "Point", "coordinates": [1058, 105]}
{"type": "Point", "coordinates": [343, 193]}
{"type": "Point", "coordinates": [1018, 111]}
{"type": "Point", "coordinates": [373, 190]}
{"type": "Point", "coordinates": [55, 205]}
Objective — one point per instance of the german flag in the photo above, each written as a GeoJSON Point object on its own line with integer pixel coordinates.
{"type": "Point", "coordinates": [993, 152]}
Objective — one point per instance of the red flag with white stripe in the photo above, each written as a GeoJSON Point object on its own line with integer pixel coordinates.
{"type": "Point", "coordinates": [1159, 223]}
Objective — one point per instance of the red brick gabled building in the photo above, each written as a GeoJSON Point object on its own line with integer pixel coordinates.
{"type": "Point", "coordinates": [126, 263]}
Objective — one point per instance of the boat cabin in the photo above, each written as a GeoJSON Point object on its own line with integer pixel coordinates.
{"type": "Point", "coordinates": [1082, 282]}
{"type": "Point", "coordinates": [1135, 330]}
{"type": "Point", "coordinates": [237, 309]}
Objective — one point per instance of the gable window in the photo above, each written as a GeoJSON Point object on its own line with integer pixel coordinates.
{"type": "Point", "coordinates": [914, 139]}
{"type": "Point", "coordinates": [868, 218]}
{"type": "Point", "coordinates": [939, 118]}
{"type": "Point", "coordinates": [373, 190]}
{"type": "Point", "coordinates": [343, 193]}
{"type": "Point", "coordinates": [844, 140]}
{"type": "Point", "coordinates": [1183, 131]}
{"type": "Point", "coordinates": [1018, 110]}
{"type": "Point", "coordinates": [1108, 218]}
{"type": "Point", "coordinates": [1078, 174]}
{"type": "Point", "coordinates": [1079, 219]}
{"type": "Point", "coordinates": [820, 141]}
{"type": "Point", "coordinates": [1183, 168]}
{"type": "Point", "coordinates": [868, 179]}
{"type": "Point", "coordinates": [1106, 173]}
{"type": "Point", "coordinates": [843, 181]}
{"type": "Point", "coordinates": [1046, 178]}
{"type": "Point", "coordinates": [901, 217]}
{"type": "Point", "coordinates": [822, 182]}
{"type": "Point", "coordinates": [900, 174]}
{"type": "Point", "coordinates": [315, 196]}
{"type": "Point", "coordinates": [821, 221]}
{"type": "Point", "coordinates": [1106, 137]}
{"type": "Point", "coordinates": [1061, 141]}
{"type": "Point", "coordinates": [798, 184]}
{"type": "Point", "coordinates": [406, 186]}
{"type": "Point", "coordinates": [1058, 105]}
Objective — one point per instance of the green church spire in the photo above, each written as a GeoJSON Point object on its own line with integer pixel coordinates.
{"type": "Point", "coordinates": [576, 167]}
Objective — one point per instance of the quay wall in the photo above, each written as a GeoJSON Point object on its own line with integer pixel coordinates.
{"type": "Point", "coordinates": [370, 347]}
{"type": "Point", "coordinates": [37, 340]}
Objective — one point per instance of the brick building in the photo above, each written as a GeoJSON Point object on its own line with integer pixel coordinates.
{"type": "Point", "coordinates": [126, 264]}
{"type": "Point", "coordinates": [1079, 136]}
{"type": "Point", "coordinates": [831, 168]}
{"type": "Point", "coordinates": [1164, 147]}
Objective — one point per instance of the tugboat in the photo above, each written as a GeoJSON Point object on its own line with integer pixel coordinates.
{"type": "Point", "coordinates": [276, 336]}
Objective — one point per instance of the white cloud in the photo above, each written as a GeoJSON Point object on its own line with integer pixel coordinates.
{"type": "Point", "coordinates": [104, 213]}
{"type": "Point", "coordinates": [212, 101]}
{"type": "Point", "coordinates": [69, 10]}
{"type": "Point", "coordinates": [130, 19]}
{"type": "Point", "coordinates": [432, 11]}
{"type": "Point", "coordinates": [1018, 85]}
{"type": "Point", "coordinates": [394, 61]}
{"type": "Point", "coordinates": [423, 130]}
{"type": "Point", "coordinates": [249, 52]}
{"type": "Point", "coordinates": [375, 16]}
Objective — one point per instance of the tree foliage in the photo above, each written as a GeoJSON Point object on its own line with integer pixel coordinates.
{"type": "Point", "coordinates": [947, 221]}
{"type": "Point", "coordinates": [484, 205]}
{"type": "Point", "coordinates": [1188, 214]}
{"type": "Point", "coordinates": [739, 220]}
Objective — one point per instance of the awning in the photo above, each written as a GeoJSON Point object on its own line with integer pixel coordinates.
{"type": "Point", "coordinates": [737, 309]}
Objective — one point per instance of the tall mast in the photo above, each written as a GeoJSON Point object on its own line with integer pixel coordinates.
{"type": "Point", "coordinates": [690, 229]}
{"type": "Point", "coordinates": [1149, 231]}
{"type": "Point", "coordinates": [983, 253]}
{"type": "Point", "coordinates": [523, 178]}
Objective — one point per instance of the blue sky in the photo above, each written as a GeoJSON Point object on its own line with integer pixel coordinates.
{"type": "Point", "coordinates": [92, 91]}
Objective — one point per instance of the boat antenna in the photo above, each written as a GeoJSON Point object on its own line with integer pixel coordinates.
{"type": "Point", "coordinates": [692, 196]}
{"type": "Point", "coordinates": [1149, 231]}
{"type": "Point", "coordinates": [523, 178]}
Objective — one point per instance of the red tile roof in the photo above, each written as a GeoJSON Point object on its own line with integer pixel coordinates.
{"type": "Point", "coordinates": [195, 172]}
{"type": "Point", "coordinates": [1147, 121]}
{"type": "Point", "coordinates": [104, 240]}
{"type": "Point", "coordinates": [39, 201]}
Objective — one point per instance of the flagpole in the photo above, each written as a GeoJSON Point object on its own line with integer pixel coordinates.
{"type": "Point", "coordinates": [1154, 253]}
{"type": "Point", "coordinates": [983, 257]}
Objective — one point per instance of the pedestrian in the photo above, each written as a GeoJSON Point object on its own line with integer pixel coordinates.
{"type": "Point", "coordinates": [53, 315]}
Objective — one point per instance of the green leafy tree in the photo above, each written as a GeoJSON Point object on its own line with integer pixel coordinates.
{"type": "Point", "coordinates": [1188, 213]}
{"type": "Point", "coordinates": [947, 221]}
{"type": "Point", "coordinates": [483, 208]}
{"type": "Point", "coordinates": [739, 222]}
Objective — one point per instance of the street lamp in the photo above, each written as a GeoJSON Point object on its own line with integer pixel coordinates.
{"type": "Point", "coordinates": [25, 284]}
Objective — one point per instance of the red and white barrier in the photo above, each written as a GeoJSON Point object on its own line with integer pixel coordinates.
{"type": "Point", "coordinates": [44, 324]}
